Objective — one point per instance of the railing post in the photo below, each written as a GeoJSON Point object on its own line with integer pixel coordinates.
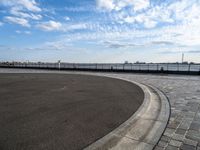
{"type": "Point", "coordinates": [59, 64]}
{"type": "Point", "coordinates": [167, 67]}
{"type": "Point", "coordinates": [131, 67]}
{"type": "Point", "coordinates": [73, 66]}
{"type": "Point", "coordinates": [178, 67]}
{"type": "Point", "coordinates": [157, 68]}
{"type": "Point", "coordinates": [199, 69]}
{"type": "Point", "coordinates": [189, 69]}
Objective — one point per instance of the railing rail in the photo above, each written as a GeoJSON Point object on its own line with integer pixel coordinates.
{"type": "Point", "coordinates": [131, 67]}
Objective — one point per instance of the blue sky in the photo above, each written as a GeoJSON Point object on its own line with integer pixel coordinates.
{"type": "Point", "coordinates": [100, 30]}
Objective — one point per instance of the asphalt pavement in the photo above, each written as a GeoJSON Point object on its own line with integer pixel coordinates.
{"type": "Point", "coordinates": [62, 111]}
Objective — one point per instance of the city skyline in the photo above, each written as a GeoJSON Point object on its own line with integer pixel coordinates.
{"type": "Point", "coordinates": [100, 31]}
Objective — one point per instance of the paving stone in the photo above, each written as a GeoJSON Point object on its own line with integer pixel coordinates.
{"type": "Point", "coordinates": [195, 126]}
{"type": "Point", "coordinates": [192, 103]}
{"type": "Point", "coordinates": [190, 114]}
{"type": "Point", "coordinates": [169, 132]}
{"type": "Point", "coordinates": [159, 148]}
{"type": "Point", "coordinates": [175, 143]}
{"type": "Point", "coordinates": [178, 137]}
{"type": "Point", "coordinates": [186, 108]}
{"type": "Point", "coordinates": [188, 98]}
{"type": "Point", "coordinates": [179, 118]}
{"type": "Point", "coordinates": [190, 142]}
{"type": "Point", "coordinates": [187, 147]}
{"type": "Point", "coordinates": [185, 124]}
{"type": "Point", "coordinates": [195, 108]}
{"type": "Point", "coordinates": [162, 143]}
{"type": "Point", "coordinates": [165, 138]}
{"type": "Point", "coordinates": [173, 125]}
{"type": "Point", "coordinates": [180, 131]}
{"type": "Point", "coordinates": [197, 117]}
{"type": "Point", "coordinates": [198, 148]}
{"type": "Point", "coordinates": [193, 135]}
{"type": "Point", "coordinates": [172, 119]}
{"type": "Point", "coordinates": [173, 115]}
{"type": "Point", "coordinates": [171, 148]}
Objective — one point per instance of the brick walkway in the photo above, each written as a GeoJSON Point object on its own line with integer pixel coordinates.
{"type": "Point", "coordinates": [183, 129]}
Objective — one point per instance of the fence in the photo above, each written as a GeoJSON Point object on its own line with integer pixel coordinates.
{"type": "Point", "coordinates": [130, 67]}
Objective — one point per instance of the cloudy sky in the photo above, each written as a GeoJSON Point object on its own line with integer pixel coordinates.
{"type": "Point", "coordinates": [100, 30]}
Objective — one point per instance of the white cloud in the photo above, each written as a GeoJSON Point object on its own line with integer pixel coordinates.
{"type": "Point", "coordinates": [81, 8]}
{"type": "Point", "coordinates": [63, 27]}
{"type": "Point", "coordinates": [56, 45]}
{"type": "Point", "coordinates": [77, 26]}
{"type": "Point", "coordinates": [18, 32]}
{"type": "Point", "coordinates": [16, 20]}
{"type": "Point", "coordinates": [186, 35]}
{"type": "Point", "coordinates": [22, 11]}
{"type": "Point", "coordinates": [174, 12]}
{"type": "Point", "coordinates": [117, 5]}
{"type": "Point", "coordinates": [30, 5]}
{"type": "Point", "coordinates": [18, 12]}
{"type": "Point", "coordinates": [150, 23]}
{"type": "Point", "coordinates": [129, 19]}
{"type": "Point", "coordinates": [106, 4]}
{"type": "Point", "coordinates": [27, 32]}
{"type": "Point", "coordinates": [23, 32]}
{"type": "Point", "coordinates": [67, 18]}
{"type": "Point", "coordinates": [50, 26]}
{"type": "Point", "coordinates": [1, 24]}
{"type": "Point", "coordinates": [135, 4]}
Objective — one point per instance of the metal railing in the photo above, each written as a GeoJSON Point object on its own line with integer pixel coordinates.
{"type": "Point", "coordinates": [130, 67]}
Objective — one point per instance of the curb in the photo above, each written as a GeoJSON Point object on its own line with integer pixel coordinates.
{"type": "Point", "coordinates": [143, 129]}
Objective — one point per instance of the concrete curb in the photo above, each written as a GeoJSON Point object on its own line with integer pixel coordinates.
{"type": "Point", "coordinates": [143, 129]}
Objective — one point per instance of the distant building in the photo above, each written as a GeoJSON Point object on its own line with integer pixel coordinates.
{"type": "Point", "coordinates": [126, 62]}
{"type": "Point", "coordinates": [137, 62]}
{"type": "Point", "coordinates": [184, 62]}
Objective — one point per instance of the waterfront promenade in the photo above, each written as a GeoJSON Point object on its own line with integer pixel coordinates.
{"type": "Point", "coordinates": [183, 92]}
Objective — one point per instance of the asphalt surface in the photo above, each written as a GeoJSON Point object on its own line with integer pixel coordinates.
{"type": "Point", "coordinates": [61, 112]}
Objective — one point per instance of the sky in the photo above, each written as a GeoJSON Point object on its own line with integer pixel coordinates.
{"type": "Point", "coordinates": [100, 31]}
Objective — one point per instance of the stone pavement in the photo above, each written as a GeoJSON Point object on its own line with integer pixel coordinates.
{"type": "Point", "coordinates": [183, 92]}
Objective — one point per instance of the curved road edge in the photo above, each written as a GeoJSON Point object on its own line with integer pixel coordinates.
{"type": "Point", "coordinates": [141, 131]}
{"type": "Point", "coordinates": [144, 128]}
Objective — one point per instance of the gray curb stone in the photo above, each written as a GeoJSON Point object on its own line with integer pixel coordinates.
{"type": "Point", "coordinates": [144, 129]}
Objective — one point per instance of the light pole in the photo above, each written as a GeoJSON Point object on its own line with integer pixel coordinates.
{"type": "Point", "coordinates": [182, 57]}
{"type": "Point", "coordinates": [59, 61]}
